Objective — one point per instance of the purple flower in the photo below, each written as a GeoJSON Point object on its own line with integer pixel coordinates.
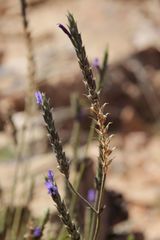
{"type": "Point", "coordinates": [64, 29]}
{"type": "Point", "coordinates": [39, 97]}
{"type": "Point", "coordinates": [52, 189]}
{"type": "Point", "coordinates": [50, 175]}
{"type": "Point", "coordinates": [37, 232]}
{"type": "Point", "coordinates": [91, 195]}
{"type": "Point", "coordinates": [96, 63]}
{"type": "Point", "coordinates": [49, 183]}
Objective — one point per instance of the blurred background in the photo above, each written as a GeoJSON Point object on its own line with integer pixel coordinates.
{"type": "Point", "coordinates": [130, 29]}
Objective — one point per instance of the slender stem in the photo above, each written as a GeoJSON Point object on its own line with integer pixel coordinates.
{"type": "Point", "coordinates": [19, 153]}
{"type": "Point", "coordinates": [97, 217]}
{"type": "Point", "coordinates": [87, 227]}
{"type": "Point", "coordinates": [74, 197]}
{"type": "Point", "coordinates": [81, 197]}
{"type": "Point", "coordinates": [30, 103]}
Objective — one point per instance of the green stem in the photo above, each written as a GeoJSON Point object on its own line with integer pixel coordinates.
{"type": "Point", "coordinates": [88, 217]}
{"type": "Point", "coordinates": [96, 217]}
{"type": "Point", "coordinates": [74, 197]}
{"type": "Point", "coordinates": [81, 197]}
{"type": "Point", "coordinates": [99, 206]}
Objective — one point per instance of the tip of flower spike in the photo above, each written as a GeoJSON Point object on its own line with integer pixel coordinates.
{"type": "Point", "coordinates": [64, 29]}
{"type": "Point", "coordinates": [91, 195]}
{"type": "Point", "coordinates": [60, 25]}
{"type": "Point", "coordinates": [37, 232]}
{"type": "Point", "coordinates": [50, 175]}
{"type": "Point", "coordinates": [39, 97]}
{"type": "Point", "coordinates": [50, 184]}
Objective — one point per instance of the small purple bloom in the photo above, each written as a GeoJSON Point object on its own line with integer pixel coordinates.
{"type": "Point", "coordinates": [37, 232]}
{"type": "Point", "coordinates": [52, 189]}
{"type": "Point", "coordinates": [96, 63]}
{"type": "Point", "coordinates": [39, 97]}
{"type": "Point", "coordinates": [91, 195]}
{"type": "Point", "coordinates": [50, 175]}
{"type": "Point", "coordinates": [64, 29]}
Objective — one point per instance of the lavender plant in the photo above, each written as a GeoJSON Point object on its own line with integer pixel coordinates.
{"type": "Point", "coordinates": [99, 116]}
{"type": "Point", "coordinates": [93, 202]}
{"type": "Point", "coordinates": [100, 119]}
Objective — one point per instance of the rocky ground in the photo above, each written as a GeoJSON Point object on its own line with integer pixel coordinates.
{"type": "Point", "coordinates": [131, 29]}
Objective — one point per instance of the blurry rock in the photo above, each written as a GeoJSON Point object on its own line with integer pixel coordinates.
{"type": "Point", "coordinates": [11, 103]}
{"type": "Point", "coordinates": [156, 81]}
{"type": "Point", "coordinates": [136, 141]}
{"type": "Point", "coordinates": [7, 151]}
{"type": "Point", "coordinates": [145, 34]}
{"type": "Point", "coordinates": [60, 93]}
{"type": "Point", "coordinates": [31, 130]}
{"type": "Point", "coordinates": [129, 84]}
{"type": "Point", "coordinates": [141, 27]}
{"type": "Point", "coordinates": [11, 93]}
{"type": "Point", "coordinates": [131, 121]}
{"type": "Point", "coordinates": [132, 95]}
{"type": "Point", "coordinates": [1, 56]}
{"type": "Point", "coordinates": [4, 140]}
